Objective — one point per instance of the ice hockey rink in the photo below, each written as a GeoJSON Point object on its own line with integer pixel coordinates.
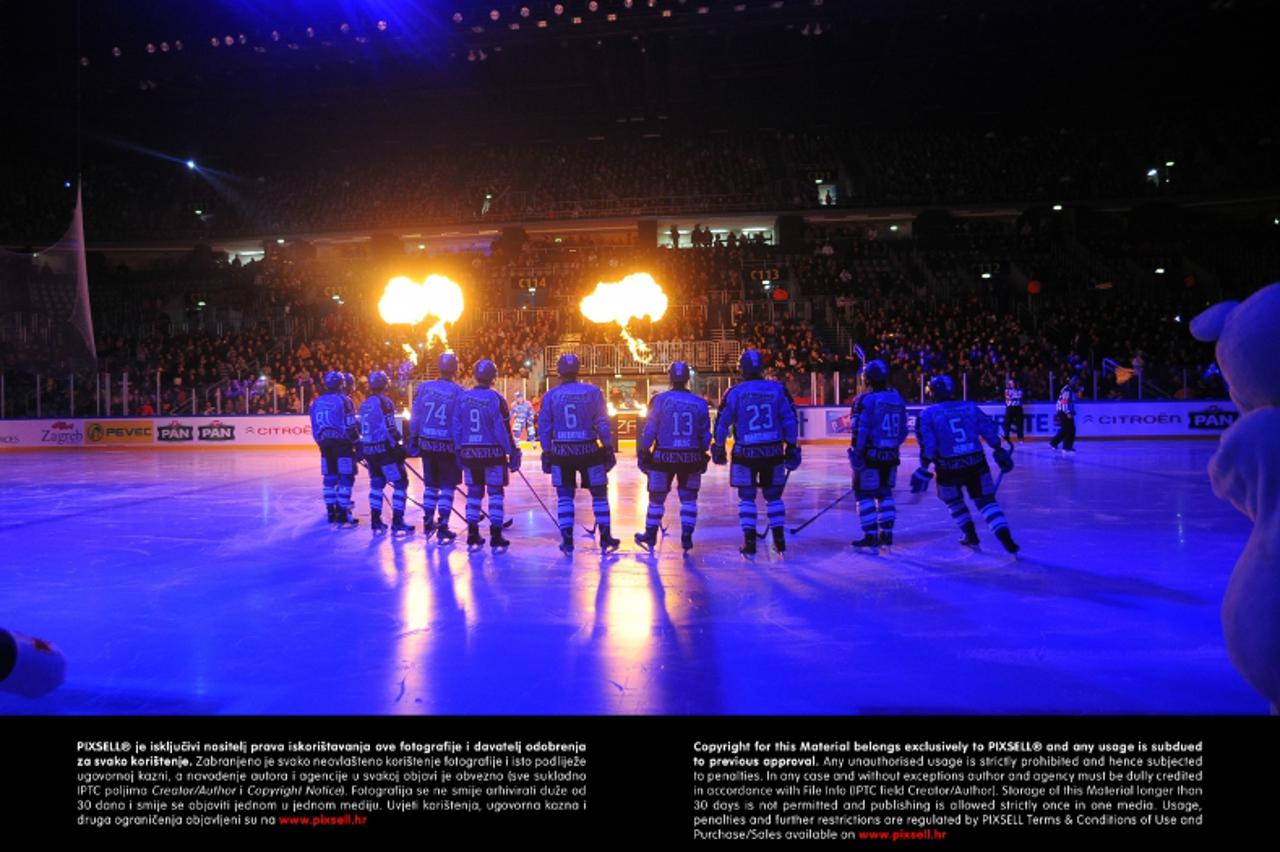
{"type": "Point", "coordinates": [181, 581]}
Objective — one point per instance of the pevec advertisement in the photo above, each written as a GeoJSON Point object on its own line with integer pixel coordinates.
{"type": "Point", "coordinates": [1093, 420]}
{"type": "Point", "coordinates": [118, 432]}
{"type": "Point", "coordinates": [1108, 420]}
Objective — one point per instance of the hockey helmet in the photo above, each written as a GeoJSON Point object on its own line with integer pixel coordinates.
{"type": "Point", "coordinates": [876, 373]}
{"type": "Point", "coordinates": [348, 382]}
{"type": "Point", "coordinates": [568, 366]}
{"type": "Point", "coordinates": [333, 380]}
{"type": "Point", "coordinates": [378, 381]}
{"type": "Point", "coordinates": [679, 373]}
{"type": "Point", "coordinates": [751, 365]}
{"type": "Point", "coordinates": [486, 371]}
{"type": "Point", "coordinates": [448, 364]}
{"type": "Point", "coordinates": [942, 388]}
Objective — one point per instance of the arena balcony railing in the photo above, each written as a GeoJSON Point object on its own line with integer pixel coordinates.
{"type": "Point", "coordinates": [615, 358]}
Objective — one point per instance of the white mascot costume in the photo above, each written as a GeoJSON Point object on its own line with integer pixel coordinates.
{"type": "Point", "coordinates": [1246, 472]}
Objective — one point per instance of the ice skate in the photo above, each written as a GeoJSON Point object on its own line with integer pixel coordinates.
{"type": "Point", "coordinates": [1006, 538]}
{"type": "Point", "coordinates": [648, 539]}
{"type": "Point", "coordinates": [399, 528]}
{"type": "Point", "coordinates": [869, 541]}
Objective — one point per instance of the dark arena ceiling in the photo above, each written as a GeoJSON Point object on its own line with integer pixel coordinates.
{"type": "Point", "coordinates": [226, 67]}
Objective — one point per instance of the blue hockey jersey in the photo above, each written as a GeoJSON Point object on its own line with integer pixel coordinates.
{"type": "Point", "coordinates": [573, 415]}
{"type": "Point", "coordinates": [379, 430]}
{"type": "Point", "coordinates": [879, 425]}
{"type": "Point", "coordinates": [431, 420]}
{"type": "Point", "coordinates": [481, 425]}
{"type": "Point", "coordinates": [954, 429]}
{"type": "Point", "coordinates": [759, 412]}
{"type": "Point", "coordinates": [333, 418]}
{"type": "Point", "coordinates": [678, 420]}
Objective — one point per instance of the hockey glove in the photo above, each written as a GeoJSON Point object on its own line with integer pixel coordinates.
{"type": "Point", "coordinates": [513, 464]}
{"type": "Point", "coordinates": [1004, 459]}
{"type": "Point", "coordinates": [792, 458]}
{"type": "Point", "coordinates": [412, 448]}
{"type": "Point", "coordinates": [398, 453]}
{"type": "Point", "coordinates": [920, 481]}
{"type": "Point", "coordinates": [358, 449]}
{"type": "Point", "coordinates": [718, 454]}
{"type": "Point", "coordinates": [856, 461]}
{"type": "Point", "coordinates": [702, 466]}
{"type": "Point", "coordinates": [610, 459]}
{"type": "Point", "coordinates": [644, 460]}
{"type": "Point", "coordinates": [546, 462]}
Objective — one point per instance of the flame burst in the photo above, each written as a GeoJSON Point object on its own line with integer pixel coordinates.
{"type": "Point", "coordinates": [407, 302]}
{"type": "Point", "coordinates": [622, 301]}
{"type": "Point", "coordinates": [411, 352]}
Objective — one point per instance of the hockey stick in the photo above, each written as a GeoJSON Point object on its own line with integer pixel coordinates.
{"type": "Point", "coordinates": [795, 530]}
{"type": "Point", "coordinates": [506, 524]}
{"type": "Point", "coordinates": [538, 497]}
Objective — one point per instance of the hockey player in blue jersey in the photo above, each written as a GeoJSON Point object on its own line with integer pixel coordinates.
{"type": "Point", "coordinates": [673, 446]}
{"type": "Point", "coordinates": [481, 428]}
{"type": "Point", "coordinates": [334, 428]}
{"type": "Point", "coordinates": [879, 425]}
{"type": "Point", "coordinates": [431, 438]}
{"type": "Point", "coordinates": [950, 433]}
{"type": "Point", "coordinates": [762, 417]}
{"type": "Point", "coordinates": [577, 447]}
{"type": "Point", "coordinates": [348, 388]}
{"type": "Point", "coordinates": [382, 447]}
{"type": "Point", "coordinates": [522, 419]}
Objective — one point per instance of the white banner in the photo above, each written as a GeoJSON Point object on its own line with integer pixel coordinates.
{"type": "Point", "coordinates": [1093, 419]}
{"type": "Point", "coordinates": [286, 430]}
{"type": "Point", "coordinates": [276, 430]}
{"type": "Point", "coordinates": [41, 434]}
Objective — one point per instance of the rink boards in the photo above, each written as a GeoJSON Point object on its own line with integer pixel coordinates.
{"type": "Point", "coordinates": [1104, 420]}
